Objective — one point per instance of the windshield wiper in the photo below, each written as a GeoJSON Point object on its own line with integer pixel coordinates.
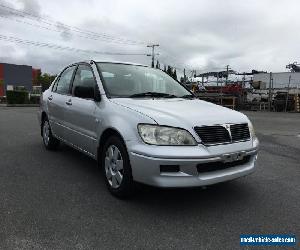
{"type": "Point", "coordinates": [188, 96]}
{"type": "Point", "coordinates": [153, 94]}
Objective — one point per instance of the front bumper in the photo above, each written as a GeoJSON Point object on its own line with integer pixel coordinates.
{"type": "Point", "coordinates": [147, 169]}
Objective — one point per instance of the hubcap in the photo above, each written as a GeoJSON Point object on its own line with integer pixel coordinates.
{"type": "Point", "coordinates": [114, 166]}
{"type": "Point", "coordinates": [46, 132]}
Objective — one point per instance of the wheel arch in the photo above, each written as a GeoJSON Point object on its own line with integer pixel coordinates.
{"type": "Point", "coordinates": [104, 136]}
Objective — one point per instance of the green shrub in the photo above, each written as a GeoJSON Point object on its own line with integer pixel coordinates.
{"type": "Point", "coordinates": [17, 97]}
{"type": "Point", "coordinates": [34, 99]}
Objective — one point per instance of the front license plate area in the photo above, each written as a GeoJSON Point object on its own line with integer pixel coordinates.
{"type": "Point", "coordinates": [234, 157]}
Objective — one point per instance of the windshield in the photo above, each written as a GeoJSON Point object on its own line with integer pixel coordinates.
{"type": "Point", "coordinates": [122, 80]}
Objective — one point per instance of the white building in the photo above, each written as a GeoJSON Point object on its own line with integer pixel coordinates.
{"type": "Point", "coordinates": [280, 80]}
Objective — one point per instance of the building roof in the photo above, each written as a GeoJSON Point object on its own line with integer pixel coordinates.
{"type": "Point", "coordinates": [15, 64]}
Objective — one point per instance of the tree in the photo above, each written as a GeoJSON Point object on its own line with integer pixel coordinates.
{"type": "Point", "coordinates": [165, 68]}
{"type": "Point", "coordinates": [175, 75]}
{"type": "Point", "coordinates": [157, 64]}
{"type": "Point", "coordinates": [169, 71]}
{"type": "Point", "coordinates": [45, 80]}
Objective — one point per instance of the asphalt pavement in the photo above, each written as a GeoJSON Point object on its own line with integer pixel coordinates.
{"type": "Point", "coordinates": [58, 200]}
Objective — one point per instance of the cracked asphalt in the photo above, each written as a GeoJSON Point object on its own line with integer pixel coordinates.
{"type": "Point", "coordinates": [58, 200]}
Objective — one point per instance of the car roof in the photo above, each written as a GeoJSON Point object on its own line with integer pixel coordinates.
{"type": "Point", "coordinates": [115, 62]}
{"type": "Point", "coordinates": [103, 61]}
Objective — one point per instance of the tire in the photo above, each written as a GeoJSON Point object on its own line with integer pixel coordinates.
{"type": "Point", "coordinates": [116, 168]}
{"type": "Point", "coordinates": [50, 142]}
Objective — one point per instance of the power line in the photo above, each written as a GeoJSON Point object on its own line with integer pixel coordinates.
{"type": "Point", "coordinates": [83, 33]}
{"type": "Point", "coordinates": [174, 60]}
{"type": "Point", "coordinates": [59, 31]}
{"type": "Point", "coordinates": [69, 28]}
{"type": "Point", "coordinates": [60, 27]}
{"type": "Point", "coordinates": [183, 66]}
{"type": "Point", "coordinates": [172, 65]}
{"type": "Point", "coordinates": [63, 48]}
{"type": "Point", "coordinates": [178, 65]}
{"type": "Point", "coordinates": [55, 23]}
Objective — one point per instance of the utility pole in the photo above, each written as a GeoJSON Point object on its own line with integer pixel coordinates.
{"type": "Point", "coordinates": [227, 71]}
{"type": "Point", "coordinates": [270, 94]}
{"type": "Point", "coordinates": [287, 94]}
{"type": "Point", "coordinates": [153, 54]}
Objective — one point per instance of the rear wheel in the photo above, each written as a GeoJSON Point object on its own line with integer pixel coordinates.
{"type": "Point", "coordinates": [116, 167]}
{"type": "Point", "coordinates": [49, 140]}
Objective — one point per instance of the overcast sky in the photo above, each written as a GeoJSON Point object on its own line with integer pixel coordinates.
{"type": "Point", "coordinates": [199, 34]}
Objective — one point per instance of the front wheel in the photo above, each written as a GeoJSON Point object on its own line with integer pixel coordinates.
{"type": "Point", "coordinates": [116, 167]}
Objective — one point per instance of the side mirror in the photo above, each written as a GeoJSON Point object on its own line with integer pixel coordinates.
{"type": "Point", "coordinates": [84, 92]}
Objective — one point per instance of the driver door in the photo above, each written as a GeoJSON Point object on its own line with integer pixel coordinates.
{"type": "Point", "coordinates": [81, 122]}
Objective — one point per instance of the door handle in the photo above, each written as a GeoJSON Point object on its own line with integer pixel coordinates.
{"type": "Point", "coordinates": [50, 98]}
{"type": "Point", "coordinates": [69, 102]}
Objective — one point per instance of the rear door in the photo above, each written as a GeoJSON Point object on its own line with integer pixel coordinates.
{"type": "Point", "coordinates": [58, 101]}
{"type": "Point", "coordinates": [80, 115]}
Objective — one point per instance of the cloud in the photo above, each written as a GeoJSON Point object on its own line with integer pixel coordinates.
{"type": "Point", "coordinates": [28, 8]}
{"type": "Point", "coordinates": [31, 6]}
{"type": "Point", "coordinates": [65, 31]}
{"type": "Point", "coordinates": [4, 11]}
{"type": "Point", "coordinates": [192, 34]}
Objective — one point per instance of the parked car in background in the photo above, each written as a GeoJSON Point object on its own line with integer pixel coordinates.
{"type": "Point", "coordinates": [143, 126]}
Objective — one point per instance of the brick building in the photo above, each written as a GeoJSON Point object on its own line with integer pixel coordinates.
{"type": "Point", "coordinates": [12, 76]}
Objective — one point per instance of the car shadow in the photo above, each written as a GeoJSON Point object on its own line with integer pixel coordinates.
{"type": "Point", "coordinates": [222, 193]}
{"type": "Point", "coordinates": [79, 161]}
{"type": "Point", "coordinates": [218, 195]}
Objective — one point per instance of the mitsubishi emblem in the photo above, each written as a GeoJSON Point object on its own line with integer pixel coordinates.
{"type": "Point", "coordinates": [227, 127]}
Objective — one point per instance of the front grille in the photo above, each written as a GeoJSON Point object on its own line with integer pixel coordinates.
{"type": "Point", "coordinates": [239, 132]}
{"type": "Point", "coordinates": [213, 134]}
{"type": "Point", "coordinates": [218, 134]}
{"type": "Point", "coordinates": [219, 165]}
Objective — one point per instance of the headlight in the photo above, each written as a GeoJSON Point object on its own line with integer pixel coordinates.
{"type": "Point", "coordinates": [163, 135]}
{"type": "Point", "coordinates": [251, 129]}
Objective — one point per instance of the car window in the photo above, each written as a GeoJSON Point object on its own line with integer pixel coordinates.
{"type": "Point", "coordinates": [55, 85]}
{"type": "Point", "coordinates": [84, 77]}
{"type": "Point", "coordinates": [122, 80]}
{"type": "Point", "coordinates": [63, 84]}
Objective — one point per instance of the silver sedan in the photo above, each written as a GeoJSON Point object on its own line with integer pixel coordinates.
{"type": "Point", "coordinates": [143, 126]}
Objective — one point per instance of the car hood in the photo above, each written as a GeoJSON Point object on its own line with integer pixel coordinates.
{"type": "Point", "coordinates": [184, 113]}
